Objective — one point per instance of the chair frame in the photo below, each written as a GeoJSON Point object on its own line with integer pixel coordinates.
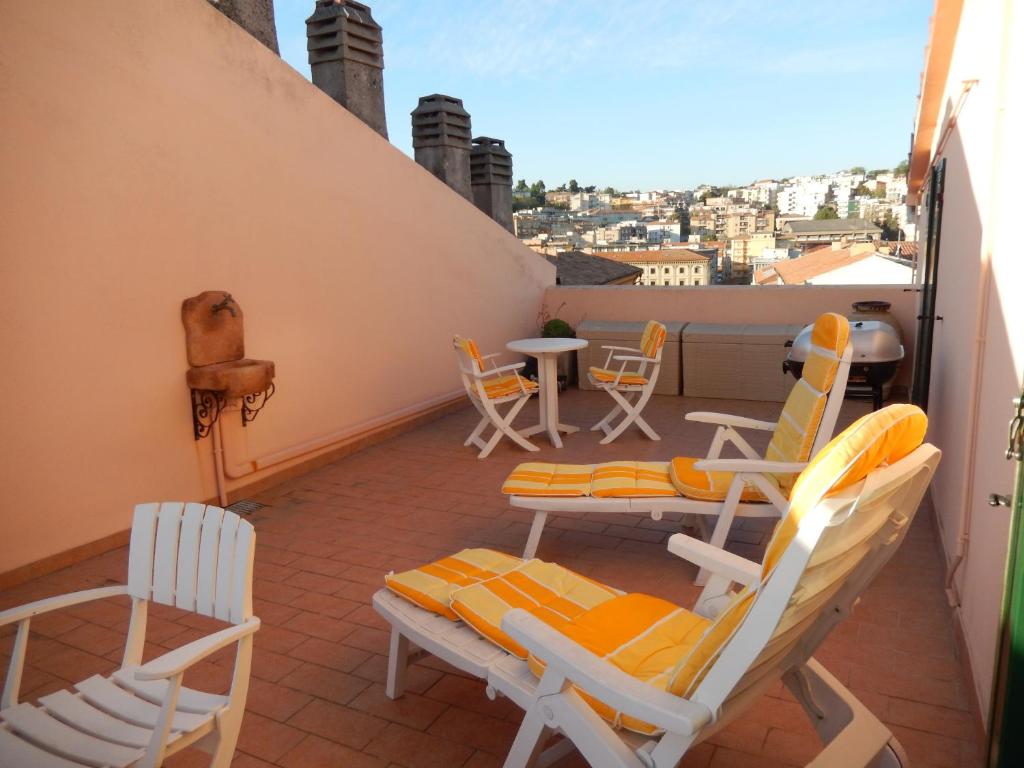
{"type": "Point", "coordinates": [752, 469]}
{"type": "Point", "coordinates": [630, 399]}
{"type": "Point", "coordinates": [852, 736]}
{"type": "Point", "coordinates": [218, 548]}
{"type": "Point", "coordinates": [474, 380]}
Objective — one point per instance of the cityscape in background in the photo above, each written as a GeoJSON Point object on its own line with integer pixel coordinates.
{"type": "Point", "coordinates": [851, 226]}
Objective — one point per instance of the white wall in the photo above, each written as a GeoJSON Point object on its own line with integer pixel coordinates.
{"type": "Point", "coordinates": [874, 270]}
{"type": "Point", "coordinates": [979, 350]}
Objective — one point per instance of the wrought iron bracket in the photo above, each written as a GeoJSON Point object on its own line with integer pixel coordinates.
{"type": "Point", "coordinates": [252, 404]}
{"type": "Point", "coordinates": [206, 408]}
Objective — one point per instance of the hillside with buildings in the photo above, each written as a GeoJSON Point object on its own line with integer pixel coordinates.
{"type": "Point", "coordinates": [728, 234]}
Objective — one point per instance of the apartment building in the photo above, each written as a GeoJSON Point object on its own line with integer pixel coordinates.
{"type": "Point", "coordinates": [668, 266]}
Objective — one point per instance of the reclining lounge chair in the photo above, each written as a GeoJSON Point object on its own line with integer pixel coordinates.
{"type": "Point", "coordinates": [632, 680]}
{"type": "Point", "coordinates": [751, 486]}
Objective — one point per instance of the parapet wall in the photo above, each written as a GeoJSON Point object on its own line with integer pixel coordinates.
{"type": "Point", "coordinates": [150, 151]}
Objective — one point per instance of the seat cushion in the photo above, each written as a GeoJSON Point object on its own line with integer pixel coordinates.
{"type": "Point", "coordinates": [430, 586]}
{"type": "Point", "coordinates": [551, 592]}
{"type": "Point", "coordinates": [502, 386]}
{"type": "Point", "coordinates": [644, 636]}
{"type": "Point", "coordinates": [708, 486]}
{"type": "Point", "coordinates": [536, 478]}
{"type": "Point", "coordinates": [608, 375]}
{"type": "Point", "coordinates": [631, 478]}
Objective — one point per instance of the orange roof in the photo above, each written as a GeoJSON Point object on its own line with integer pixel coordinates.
{"type": "Point", "coordinates": [797, 271]}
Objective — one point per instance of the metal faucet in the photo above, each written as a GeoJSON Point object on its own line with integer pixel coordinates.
{"type": "Point", "coordinates": [225, 304]}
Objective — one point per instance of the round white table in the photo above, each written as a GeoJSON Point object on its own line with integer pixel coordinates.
{"type": "Point", "coordinates": [547, 351]}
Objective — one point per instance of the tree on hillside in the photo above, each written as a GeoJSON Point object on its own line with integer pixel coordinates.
{"type": "Point", "coordinates": [890, 226]}
{"type": "Point", "coordinates": [902, 168]}
{"type": "Point", "coordinates": [878, 171]}
{"type": "Point", "coordinates": [574, 187]}
{"type": "Point", "coordinates": [521, 186]}
{"type": "Point", "coordinates": [861, 190]}
{"type": "Point", "coordinates": [537, 189]}
{"type": "Point", "coordinates": [591, 189]}
{"type": "Point", "coordinates": [826, 212]}
{"type": "Point", "coordinates": [858, 169]}
{"type": "Point", "coordinates": [609, 190]}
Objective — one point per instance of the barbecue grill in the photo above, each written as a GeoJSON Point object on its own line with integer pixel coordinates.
{"type": "Point", "coordinates": [877, 353]}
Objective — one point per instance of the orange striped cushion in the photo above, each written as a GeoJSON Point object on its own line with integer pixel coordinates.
{"type": "Point", "coordinates": [550, 592]}
{"type": "Point", "coordinates": [707, 486]}
{"type": "Point", "coordinates": [631, 478]}
{"type": "Point", "coordinates": [536, 478]}
{"type": "Point", "coordinates": [430, 586]}
{"type": "Point", "coordinates": [502, 386]}
{"type": "Point", "coordinates": [608, 376]}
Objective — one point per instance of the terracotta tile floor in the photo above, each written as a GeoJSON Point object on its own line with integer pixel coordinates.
{"type": "Point", "coordinates": [326, 538]}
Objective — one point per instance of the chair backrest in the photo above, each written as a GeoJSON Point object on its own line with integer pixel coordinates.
{"type": "Point", "coordinates": [469, 354]}
{"type": "Point", "coordinates": [192, 556]}
{"type": "Point", "coordinates": [849, 512]}
{"type": "Point", "coordinates": [816, 398]}
{"type": "Point", "coordinates": [652, 340]}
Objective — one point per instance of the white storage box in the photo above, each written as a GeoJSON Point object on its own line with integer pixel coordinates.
{"type": "Point", "coordinates": [739, 362]}
{"type": "Point", "coordinates": [627, 334]}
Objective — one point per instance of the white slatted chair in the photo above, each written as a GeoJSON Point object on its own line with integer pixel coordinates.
{"type": "Point", "coordinates": [487, 389]}
{"type": "Point", "coordinates": [850, 513]}
{"type": "Point", "coordinates": [630, 389]}
{"type": "Point", "coordinates": [191, 556]}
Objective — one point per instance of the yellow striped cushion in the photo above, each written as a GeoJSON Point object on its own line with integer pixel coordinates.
{"type": "Point", "coordinates": [801, 416]}
{"type": "Point", "coordinates": [708, 486]}
{"type": "Point", "coordinates": [643, 636]}
{"type": "Point", "coordinates": [552, 593]}
{"type": "Point", "coordinates": [501, 386]}
{"type": "Point", "coordinates": [632, 478]}
{"type": "Point", "coordinates": [608, 376]}
{"type": "Point", "coordinates": [470, 348]}
{"type": "Point", "coordinates": [430, 586]}
{"type": "Point", "coordinates": [652, 339]}
{"type": "Point", "coordinates": [541, 479]}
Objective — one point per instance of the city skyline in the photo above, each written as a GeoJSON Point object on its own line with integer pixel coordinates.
{"type": "Point", "coordinates": [667, 95]}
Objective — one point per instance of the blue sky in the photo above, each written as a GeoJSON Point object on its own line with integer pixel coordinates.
{"type": "Point", "coordinates": [656, 93]}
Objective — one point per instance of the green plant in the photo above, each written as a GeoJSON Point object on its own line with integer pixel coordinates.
{"type": "Point", "coordinates": [557, 329]}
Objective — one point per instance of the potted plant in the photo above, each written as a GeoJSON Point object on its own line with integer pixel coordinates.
{"type": "Point", "coordinates": [556, 328]}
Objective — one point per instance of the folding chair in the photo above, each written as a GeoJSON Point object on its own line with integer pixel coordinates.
{"type": "Point", "coordinates": [487, 389]}
{"type": "Point", "coordinates": [630, 389]}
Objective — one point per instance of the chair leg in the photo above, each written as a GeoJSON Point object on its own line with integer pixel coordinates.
{"type": "Point", "coordinates": [503, 426]}
{"type": "Point", "coordinates": [474, 436]}
{"type": "Point", "coordinates": [603, 423]}
{"type": "Point", "coordinates": [539, 518]}
{"type": "Point", "coordinates": [528, 742]}
{"type": "Point", "coordinates": [723, 524]}
{"type": "Point", "coordinates": [628, 419]}
{"type": "Point", "coordinates": [398, 663]}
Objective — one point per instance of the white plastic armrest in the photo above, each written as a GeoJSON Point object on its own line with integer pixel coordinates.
{"type": "Point", "coordinates": [502, 369]}
{"type": "Point", "coordinates": [633, 359]}
{"type": "Point", "coordinates": [29, 610]}
{"type": "Point", "coordinates": [488, 357]}
{"type": "Point", "coordinates": [761, 466]}
{"type": "Point", "coordinates": [602, 680]}
{"type": "Point", "coordinates": [177, 661]}
{"type": "Point", "coordinates": [718, 561]}
{"type": "Point", "coordinates": [727, 420]}
{"type": "Point", "coordinates": [620, 349]}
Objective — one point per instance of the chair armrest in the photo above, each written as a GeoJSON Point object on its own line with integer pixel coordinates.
{"type": "Point", "coordinates": [633, 359]}
{"type": "Point", "coordinates": [603, 680]}
{"type": "Point", "coordinates": [728, 420]}
{"type": "Point", "coordinates": [177, 661]}
{"type": "Point", "coordinates": [29, 610]}
{"type": "Point", "coordinates": [718, 561]}
{"type": "Point", "coordinates": [761, 466]}
{"type": "Point", "coordinates": [619, 349]}
{"type": "Point", "coordinates": [502, 369]}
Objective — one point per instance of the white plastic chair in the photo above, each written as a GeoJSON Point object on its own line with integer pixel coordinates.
{"type": "Point", "coordinates": [487, 389]}
{"type": "Point", "coordinates": [630, 389]}
{"type": "Point", "coordinates": [191, 556]}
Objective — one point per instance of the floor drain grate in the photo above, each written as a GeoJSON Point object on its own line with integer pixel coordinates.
{"type": "Point", "coordinates": [246, 506]}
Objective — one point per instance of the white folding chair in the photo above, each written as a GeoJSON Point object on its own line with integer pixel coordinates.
{"type": "Point", "coordinates": [630, 389]}
{"type": "Point", "coordinates": [191, 556]}
{"type": "Point", "coordinates": [487, 389]}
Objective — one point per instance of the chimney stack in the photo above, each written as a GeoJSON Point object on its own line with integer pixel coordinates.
{"type": "Point", "coordinates": [491, 171]}
{"type": "Point", "coordinates": [441, 135]}
{"type": "Point", "coordinates": [346, 55]}
{"type": "Point", "coordinates": [254, 16]}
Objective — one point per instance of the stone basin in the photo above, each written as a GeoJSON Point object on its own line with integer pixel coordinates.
{"type": "Point", "coordinates": [234, 378]}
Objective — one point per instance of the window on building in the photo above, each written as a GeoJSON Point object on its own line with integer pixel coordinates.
{"type": "Point", "coordinates": [667, 270]}
{"type": "Point", "coordinates": [696, 269]}
{"type": "Point", "coordinates": [652, 270]}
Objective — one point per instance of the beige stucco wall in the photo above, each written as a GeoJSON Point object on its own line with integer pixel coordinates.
{"type": "Point", "coordinates": [732, 304]}
{"type": "Point", "coordinates": [979, 344]}
{"type": "Point", "coordinates": [149, 151]}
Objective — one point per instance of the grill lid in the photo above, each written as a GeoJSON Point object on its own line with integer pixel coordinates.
{"type": "Point", "coordinates": [873, 342]}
